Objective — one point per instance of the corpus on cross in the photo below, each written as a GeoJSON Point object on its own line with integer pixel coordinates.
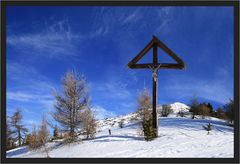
{"type": "Point", "coordinates": [155, 66]}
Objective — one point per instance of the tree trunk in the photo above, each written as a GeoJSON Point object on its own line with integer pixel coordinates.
{"type": "Point", "coordinates": [19, 137]}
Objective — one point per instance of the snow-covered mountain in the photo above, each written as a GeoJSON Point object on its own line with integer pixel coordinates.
{"type": "Point", "coordinates": [178, 137]}
{"type": "Point", "coordinates": [179, 107]}
{"type": "Point", "coordinates": [132, 117]}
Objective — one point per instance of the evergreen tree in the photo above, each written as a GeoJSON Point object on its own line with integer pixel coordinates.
{"type": "Point", "coordinates": [10, 141]}
{"type": "Point", "coordinates": [229, 108]}
{"type": "Point", "coordinates": [19, 129]}
{"type": "Point", "coordinates": [121, 123]}
{"type": "Point", "coordinates": [209, 105]}
{"type": "Point", "coordinates": [208, 128]}
{"type": "Point", "coordinates": [148, 129]}
{"type": "Point", "coordinates": [194, 107]}
{"type": "Point", "coordinates": [56, 134]}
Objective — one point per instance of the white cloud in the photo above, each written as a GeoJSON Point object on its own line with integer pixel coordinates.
{"type": "Point", "coordinates": [18, 96]}
{"type": "Point", "coordinates": [46, 100]}
{"type": "Point", "coordinates": [133, 17]}
{"type": "Point", "coordinates": [130, 21]}
{"type": "Point", "coordinates": [216, 90]}
{"type": "Point", "coordinates": [27, 78]}
{"type": "Point", "coordinates": [165, 17]}
{"type": "Point", "coordinates": [26, 84]}
{"type": "Point", "coordinates": [113, 90]}
{"type": "Point", "coordinates": [55, 41]}
{"type": "Point", "coordinates": [16, 71]}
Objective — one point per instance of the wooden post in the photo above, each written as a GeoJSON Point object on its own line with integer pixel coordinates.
{"type": "Point", "coordinates": [155, 43]}
{"type": "Point", "coordinates": [155, 92]}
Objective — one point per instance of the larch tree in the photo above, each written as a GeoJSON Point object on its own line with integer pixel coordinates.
{"type": "Point", "coordinates": [89, 123]}
{"type": "Point", "coordinates": [71, 103]}
{"type": "Point", "coordinates": [144, 103]}
{"type": "Point", "coordinates": [43, 134]}
{"type": "Point", "coordinates": [39, 136]}
{"type": "Point", "coordinates": [204, 110]}
{"type": "Point", "coordinates": [18, 128]}
{"type": "Point", "coordinates": [145, 113]}
{"type": "Point", "coordinates": [43, 131]}
{"type": "Point", "coordinates": [33, 140]}
{"type": "Point", "coordinates": [220, 113]}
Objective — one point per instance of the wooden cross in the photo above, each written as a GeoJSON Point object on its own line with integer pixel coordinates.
{"type": "Point", "coordinates": [155, 66]}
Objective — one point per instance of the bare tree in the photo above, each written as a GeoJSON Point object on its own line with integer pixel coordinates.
{"type": "Point", "coordinates": [145, 113]}
{"type": "Point", "coordinates": [204, 110]}
{"type": "Point", "coordinates": [44, 131]}
{"type": "Point", "coordinates": [220, 113]}
{"type": "Point", "coordinates": [39, 137]}
{"type": "Point", "coordinates": [43, 134]}
{"type": "Point", "coordinates": [19, 129]}
{"type": "Point", "coordinates": [166, 110]}
{"type": "Point", "coordinates": [33, 140]}
{"type": "Point", "coordinates": [144, 104]}
{"type": "Point", "coordinates": [71, 103]}
{"type": "Point", "coordinates": [89, 123]}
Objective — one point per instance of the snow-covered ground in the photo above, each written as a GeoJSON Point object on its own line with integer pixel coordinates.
{"type": "Point", "coordinates": [178, 137]}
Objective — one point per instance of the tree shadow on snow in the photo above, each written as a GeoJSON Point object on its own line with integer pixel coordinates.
{"type": "Point", "coordinates": [109, 138]}
{"type": "Point", "coordinates": [17, 151]}
{"type": "Point", "coordinates": [194, 124]}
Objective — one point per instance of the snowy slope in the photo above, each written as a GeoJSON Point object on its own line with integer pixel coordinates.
{"type": "Point", "coordinates": [132, 117]}
{"type": "Point", "coordinates": [178, 137]}
{"type": "Point", "coordinates": [179, 107]}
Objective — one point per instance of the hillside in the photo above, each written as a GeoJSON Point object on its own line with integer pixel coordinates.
{"type": "Point", "coordinates": [178, 137]}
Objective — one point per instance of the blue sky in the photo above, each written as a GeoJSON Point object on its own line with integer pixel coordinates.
{"type": "Point", "coordinates": [43, 43]}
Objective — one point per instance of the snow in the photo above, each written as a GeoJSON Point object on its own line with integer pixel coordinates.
{"type": "Point", "coordinates": [179, 107]}
{"type": "Point", "coordinates": [178, 137]}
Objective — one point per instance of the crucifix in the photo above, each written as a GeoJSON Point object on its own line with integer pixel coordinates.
{"type": "Point", "coordinates": [155, 66]}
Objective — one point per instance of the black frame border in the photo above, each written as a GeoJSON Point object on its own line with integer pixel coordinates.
{"type": "Point", "coordinates": [234, 4]}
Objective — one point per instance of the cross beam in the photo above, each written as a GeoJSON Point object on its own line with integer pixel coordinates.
{"type": "Point", "coordinates": [155, 41]}
{"type": "Point", "coordinates": [162, 66]}
{"type": "Point", "coordinates": [155, 66]}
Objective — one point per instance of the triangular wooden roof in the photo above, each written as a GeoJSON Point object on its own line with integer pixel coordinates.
{"type": "Point", "coordinates": [156, 42]}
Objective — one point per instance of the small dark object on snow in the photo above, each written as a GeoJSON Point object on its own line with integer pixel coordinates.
{"type": "Point", "coordinates": [109, 131]}
{"type": "Point", "coordinates": [208, 127]}
{"type": "Point", "coordinates": [181, 114]}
